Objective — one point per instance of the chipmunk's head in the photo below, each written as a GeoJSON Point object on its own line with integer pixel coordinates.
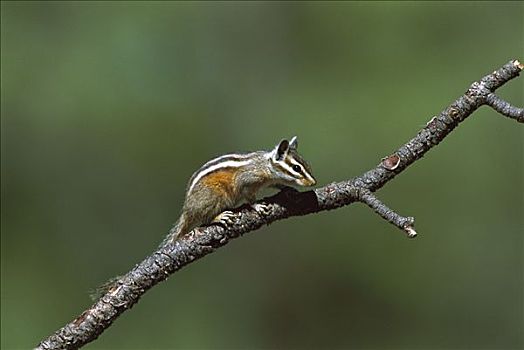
{"type": "Point", "coordinates": [289, 167]}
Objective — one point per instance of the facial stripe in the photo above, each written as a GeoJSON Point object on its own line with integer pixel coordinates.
{"type": "Point", "coordinates": [303, 170]}
{"type": "Point", "coordinates": [308, 175]}
{"type": "Point", "coordinates": [295, 159]}
{"type": "Point", "coordinates": [207, 169]}
{"type": "Point", "coordinates": [295, 163]}
{"type": "Point", "coordinates": [288, 169]}
{"type": "Point", "coordinates": [284, 167]}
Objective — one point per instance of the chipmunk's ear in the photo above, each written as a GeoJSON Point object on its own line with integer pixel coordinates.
{"type": "Point", "coordinates": [280, 150]}
{"type": "Point", "coordinates": [293, 143]}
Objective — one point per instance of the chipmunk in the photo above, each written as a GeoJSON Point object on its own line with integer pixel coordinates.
{"type": "Point", "coordinates": [224, 182]}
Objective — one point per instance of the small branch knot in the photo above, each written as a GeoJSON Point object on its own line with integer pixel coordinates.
{"type": "Point", "coordinates": [453, 112]}
{"type": "Point", "coordinates": [391, 162]}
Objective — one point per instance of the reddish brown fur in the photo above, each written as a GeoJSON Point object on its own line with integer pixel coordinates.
{"type": "Point", "coordinates": [222, 181]}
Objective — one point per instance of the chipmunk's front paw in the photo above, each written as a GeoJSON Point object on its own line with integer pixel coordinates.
{"type": "Point", "coordinates": [226, 218]}
{"type": "Point", "coordinates": [262, 209]}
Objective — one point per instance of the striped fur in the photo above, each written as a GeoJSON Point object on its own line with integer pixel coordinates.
{"type": "Point", "coordinates": [233, 160]}
{"type": "Point", "coordinates": [285, 158]}
{"type": "Point", "coordinates": [302, 171]}
{"type": "Point", "coordinates": [225, 181]}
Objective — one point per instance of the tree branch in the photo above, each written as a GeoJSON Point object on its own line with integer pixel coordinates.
{"type": "Point", "coordinates": [170, 258]}
{"type": "Point", "coordinates": [403, 223]}
{"type": "Point", "coordinates": [505, 108]}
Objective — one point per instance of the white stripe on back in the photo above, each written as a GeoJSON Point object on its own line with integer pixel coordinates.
{"type": "Point", "coordinates": [207, 171]}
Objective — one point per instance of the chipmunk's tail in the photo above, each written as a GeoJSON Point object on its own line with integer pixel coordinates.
{"type": "Point", "coordinates": [180, 228]}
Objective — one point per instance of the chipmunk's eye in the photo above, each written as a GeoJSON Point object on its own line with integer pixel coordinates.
{"type": "Point", "coordinates": [296, 168]}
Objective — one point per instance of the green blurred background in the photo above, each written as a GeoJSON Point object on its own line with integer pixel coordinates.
{"type": "Point", "coordinates": [108, 108]}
